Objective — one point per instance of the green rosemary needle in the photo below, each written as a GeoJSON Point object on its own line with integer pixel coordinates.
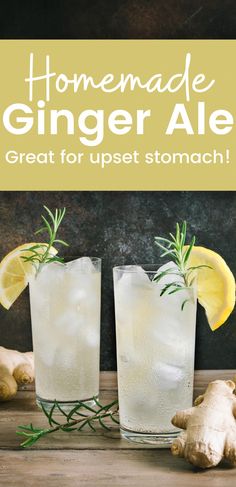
{"type": "Point", "coordinates": [51, 224]}
{"type": "Point", "coordinates": [74, 420]}
{"type": "Point", "coordinates": [176, 248]}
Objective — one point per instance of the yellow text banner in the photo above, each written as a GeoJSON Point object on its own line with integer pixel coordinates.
{"type": "Point", "coordinates": [117, 115]}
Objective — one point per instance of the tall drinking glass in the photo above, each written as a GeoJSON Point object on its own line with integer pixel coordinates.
{"type": "Point", "coordinates": [65, 312]}
{"type": "Point", "coordinates": [155, 353]}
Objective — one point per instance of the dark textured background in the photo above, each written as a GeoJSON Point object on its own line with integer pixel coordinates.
{"type": "Point", "coordinates": [118, 19]}
{"type": "Point", "coordinates": [120, 228]}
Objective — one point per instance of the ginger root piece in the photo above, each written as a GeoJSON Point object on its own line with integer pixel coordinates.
{"type": "Point", "coordinates": [15, 368]}
{"type": "Point", "coordinates": [210, 427]}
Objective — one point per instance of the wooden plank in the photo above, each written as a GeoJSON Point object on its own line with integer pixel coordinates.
{"type": "Point", "coordinates": [10, 419]}
{"type": "Point", "coordinates": [108, 379]}
{"type": "Point", "coordinates": [23, 410]}
{"type": "Point", "coordinates": [96, 459]}
{"type": "Point", "coordinates": [131, 468]}
{"type": "Point", "coordinates": [203, 377]}
{"type": "Point", "coordinates": [24, 401]}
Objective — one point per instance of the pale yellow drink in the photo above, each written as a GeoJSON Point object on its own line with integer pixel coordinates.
{"type": "Point", "coordinates": [65, 311]}
{"type": "Point", "coordinates": [155, 353]}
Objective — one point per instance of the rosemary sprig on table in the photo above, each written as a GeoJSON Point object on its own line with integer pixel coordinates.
{"type": "Point", "coordinates": [74, 420]}
{"type": "Point", "coordinates": [176, 248]}
{"type": "Point", "coordinates": [39, 253]}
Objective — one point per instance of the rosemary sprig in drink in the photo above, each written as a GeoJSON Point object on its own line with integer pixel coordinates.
{"type": "Point", "coordinates": [75, 420]}
{"type": "Point", "coordinates": [50, 226]}
{"type": "Point", "coordinates": [176, 248]}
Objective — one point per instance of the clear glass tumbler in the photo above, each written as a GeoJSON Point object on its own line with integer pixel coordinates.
{"type": "Point", "coordinates": [65, 312]}
{"type": "Point", "coordinates": [155, 353]}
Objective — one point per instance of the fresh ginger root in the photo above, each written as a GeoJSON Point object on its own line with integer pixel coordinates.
{"type": "Point", "coordinates": [210, 427]}
{"type": "Point", "coordinates": [15, 368]}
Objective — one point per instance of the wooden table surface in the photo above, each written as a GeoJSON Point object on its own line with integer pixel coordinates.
{"type": "Point", "coordinates": [96, 459]}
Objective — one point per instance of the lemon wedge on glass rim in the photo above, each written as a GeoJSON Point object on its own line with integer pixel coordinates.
{"type": "Point", "coordinates": [215, 285]}
{"type": "Point", "coordinates": [15, 273]}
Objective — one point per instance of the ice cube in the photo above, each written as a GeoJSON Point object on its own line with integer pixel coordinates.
{"type": "Point", "coordinates": [131, 286]}
{"type": "Point", "coordinates": [136, 276]}
{"type": "Point", "coordinates": [80, 279]}
{"type": "Point", "coordinates": [133, 296]}
{"type": "Point", "coordinates": [83, 265]}
{"type": "Point", "coordinates": [171, 320]}
{"type": "Point", "coordinates": [77, 295]}
{"type": "Point", "coordinates": [168, 376]}
{"type": "Point", "coordinates": [92, 337]}
{"type": "Point", "coordinates": [43, 286]}
{"type": "Point", "coordinates": [174, 277]}
{"type": "Point", "coordinates": [50, 271]}
{"type": "Point", "coordinates": [68, 323]}
{"type": "Point", "coordinates": [169, 277]}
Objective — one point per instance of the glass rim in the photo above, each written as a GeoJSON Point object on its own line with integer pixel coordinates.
{"type": "Point", "coordinates": [71, 258]}
{"type": "Point", "coordinates": [76, 257]}
{"type": "Point", "coordinates": [147, 268]}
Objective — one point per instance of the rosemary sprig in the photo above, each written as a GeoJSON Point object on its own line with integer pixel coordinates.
{"type": "Point", "coordinates": [51, 224]}
{"type": "Point", "coordinates": [75, 420]}
{"type": "Point", "coordinates": [176, 248]}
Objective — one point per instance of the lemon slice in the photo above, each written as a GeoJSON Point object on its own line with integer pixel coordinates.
{"type": "Point", "coordinates": [215, 286]}
{"type": "Point", "coordinates": [15, 273]}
